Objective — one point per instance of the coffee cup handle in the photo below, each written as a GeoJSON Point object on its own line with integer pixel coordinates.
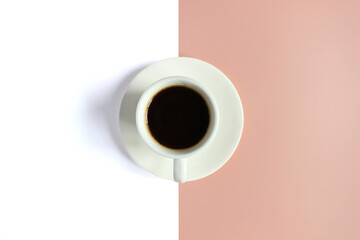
{"type": "Point", "coordinates": [180, 170]}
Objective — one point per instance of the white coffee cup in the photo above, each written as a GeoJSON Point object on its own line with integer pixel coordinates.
{"type": "Point", "coordinates": [179, 156]}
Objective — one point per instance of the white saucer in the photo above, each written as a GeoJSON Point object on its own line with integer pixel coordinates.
{"type": "Point", "coordinates": [230, 123]}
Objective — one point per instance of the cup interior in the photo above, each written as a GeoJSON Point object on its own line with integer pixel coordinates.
{"type": "Point", "coordinates": [142, 111]}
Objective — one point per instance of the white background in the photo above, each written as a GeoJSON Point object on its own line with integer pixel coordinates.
{"type": "Point", "coordinates": [64, 66]}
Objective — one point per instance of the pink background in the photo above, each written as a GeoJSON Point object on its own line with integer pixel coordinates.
{"type": "Point", "coordinates": [296, 172]}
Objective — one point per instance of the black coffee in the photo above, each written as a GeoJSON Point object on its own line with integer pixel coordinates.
{"type": "Point", "coordinates": [178, 117]}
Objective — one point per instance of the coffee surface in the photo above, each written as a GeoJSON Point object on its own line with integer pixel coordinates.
{"type": "Point", "coordinates": [178, 117]}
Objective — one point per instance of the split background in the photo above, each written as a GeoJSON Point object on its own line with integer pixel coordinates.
{"type": "Point", "coordinates": [65, 65]}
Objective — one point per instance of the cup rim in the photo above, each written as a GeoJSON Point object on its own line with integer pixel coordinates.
{"type": "Point", "coordinates": [143, 104]}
